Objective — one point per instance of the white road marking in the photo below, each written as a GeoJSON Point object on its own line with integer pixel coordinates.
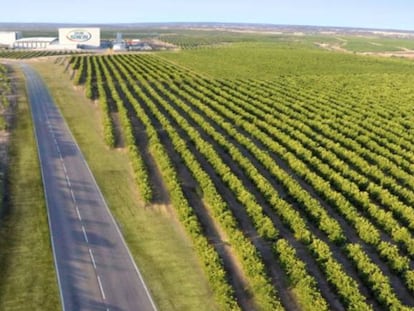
{"type": "Point", "coordinates": [68, 181]}
{"type": "Point", "coordinates": [73, 196]}
{"type": "Point", "coordinates": [77, 212]}
{"type": "Point", "coordinates": [64, 167]}
{"type": "Point", "coordinates": [101, 288]}
{"type": "Point", "coordinates": [84, 234]}
{"type": "Point", "coordinates": [92, 258]}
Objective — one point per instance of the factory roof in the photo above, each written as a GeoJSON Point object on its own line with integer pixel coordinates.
{"type": "Point", "coordinates": [37, 39]}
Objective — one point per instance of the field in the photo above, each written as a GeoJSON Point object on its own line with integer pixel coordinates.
{"type": "Point", "coordinates": [32, 54]}
{"type": "Point", "coordinates": [289, 167]}
{"type": "Point", "coordinates": [269, 60]}
{"type": "Point", "coordinates": [341, 41]}
{"type": "Point", "coordinates": [377, 44]}
{"type": "Point", "coordinates": [257, 171]}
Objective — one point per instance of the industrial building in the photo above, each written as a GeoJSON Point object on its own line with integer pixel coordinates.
{"type": "Point", "coordinates": [80, 37]}
{"type": "Point", "coordinates": [129, 45]}
{"type": "Point", "coordinates": [7, 38]}
{"type": "Point", "coordinates": [34, 43]}
{"type": "Point", "coordinates": [69, 38]}
{"type": "Point", "coordinates": [119, 44]}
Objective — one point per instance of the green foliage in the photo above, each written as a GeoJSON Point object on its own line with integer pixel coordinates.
{"type": "Point", "coordinates": [211, 262]}
{"type": "Point", "coordinates": [305, 285]}
{"type": "Point", "coordinates": [309, 150]}
{"type": "Point", "coordinates": [80, 72]}
{"type": "Point", "coordinates": [374, 276]}
{"type": "Point", "coordinates": [268, 60]}
{"type": "Point", "coordinates": [33, 54]}
{"type": "Point", "coordinates": [376, 44]}
{"type": "Point", "coordinates": [140, 170]}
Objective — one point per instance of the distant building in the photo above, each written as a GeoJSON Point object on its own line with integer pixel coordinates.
{"type": "Point", "coordinates": [80, 37]}
{"type": "Point", "coordinates": [119, 44]}
{"type": "Point", "coordinates": [34, 43]}
{"type": "Point", "coordinates": [142, 46]}
{"type": "Point", "coordinates": [69, 38]}
{"type": "Point", "coordinates": [7, 38]}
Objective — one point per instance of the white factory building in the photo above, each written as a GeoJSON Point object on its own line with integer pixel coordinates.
{"type": "Point", "coordinates": [80, 37]}
{"type": "Point", "coordinates": [69, 38]}
{"type": "Point", "coordinates": [7, 38]}
{"type": "Point", "coordinates": [35, 43]}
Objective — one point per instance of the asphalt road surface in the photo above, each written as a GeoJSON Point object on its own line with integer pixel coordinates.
{"type": "Point", "coordinates": [94, 266]}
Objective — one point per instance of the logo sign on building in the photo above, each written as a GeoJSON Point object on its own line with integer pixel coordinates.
{"type": "Point", "coordinates": [79, 36]}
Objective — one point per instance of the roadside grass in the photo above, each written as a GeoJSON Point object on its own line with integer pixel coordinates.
{"type": "Point", "coordinates": [162, 251]}
{"type": "Point", "coordinates": [27, 276]}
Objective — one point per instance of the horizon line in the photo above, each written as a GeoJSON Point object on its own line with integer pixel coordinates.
{"type": "Point", "coordinates": [206, 22]}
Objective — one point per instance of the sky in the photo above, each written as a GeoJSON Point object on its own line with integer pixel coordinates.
{"type": "Point", "coordinates": [391, 14]}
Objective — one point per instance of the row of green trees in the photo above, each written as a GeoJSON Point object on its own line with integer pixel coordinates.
{"type": "Point", "coordinates": [107, 124]}
{"type": "Point", "coordinates": [297, 225]}
{"type": "Point", "coordinates": [305, 153]}
{"type": "Point", "coordinates": [366, 231]}
{"type": "Point", "coordinates": [385, 248]}
{"type": "Point", "coordinates": [237, 110]}
{"type": "Point", "coordinates": [380, 284]}
{"type": "Point", "coordinates": [32, 54]}
{"type": "Point", "coordinates": [209, 257]}
{"type": "Point", "coordinates": [375, 119]}
{"type": "Point", "coordinates": [355, 141]}
{"type": "Point", "coordinates": [312, 207]}
{"type": "Point", "coordinates": [264, 292]}
{"type": "Point", "coordinates": [135, 156]}
{"type": "Point", "coordinates": [305, 285]}
{"type": "Point", "coordinates": [80, 67]}
{"type": "Point", "coordinates": [397, 207]}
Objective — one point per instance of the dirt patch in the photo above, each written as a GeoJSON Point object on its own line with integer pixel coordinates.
{"type": "Point", "coordinates": [332, 47]}
{"type": "Point", "coordinates": [119, 138]}
{"type": "Point", "coordinates": [404, 53]}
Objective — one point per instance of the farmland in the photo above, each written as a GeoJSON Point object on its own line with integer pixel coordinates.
{"type": "Point", "coordinates": [32, 54]}
{"type": "Point", "coordinates": [289, 167]}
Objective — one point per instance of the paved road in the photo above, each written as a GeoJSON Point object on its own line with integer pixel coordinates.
{"type": "Point", "coordinates": [95, 269]}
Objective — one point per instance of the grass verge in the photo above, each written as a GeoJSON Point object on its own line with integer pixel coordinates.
{"type": "Point", "coordinates": [27, 276]}
{"type": "Point", "coordinates": [163, 253]}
